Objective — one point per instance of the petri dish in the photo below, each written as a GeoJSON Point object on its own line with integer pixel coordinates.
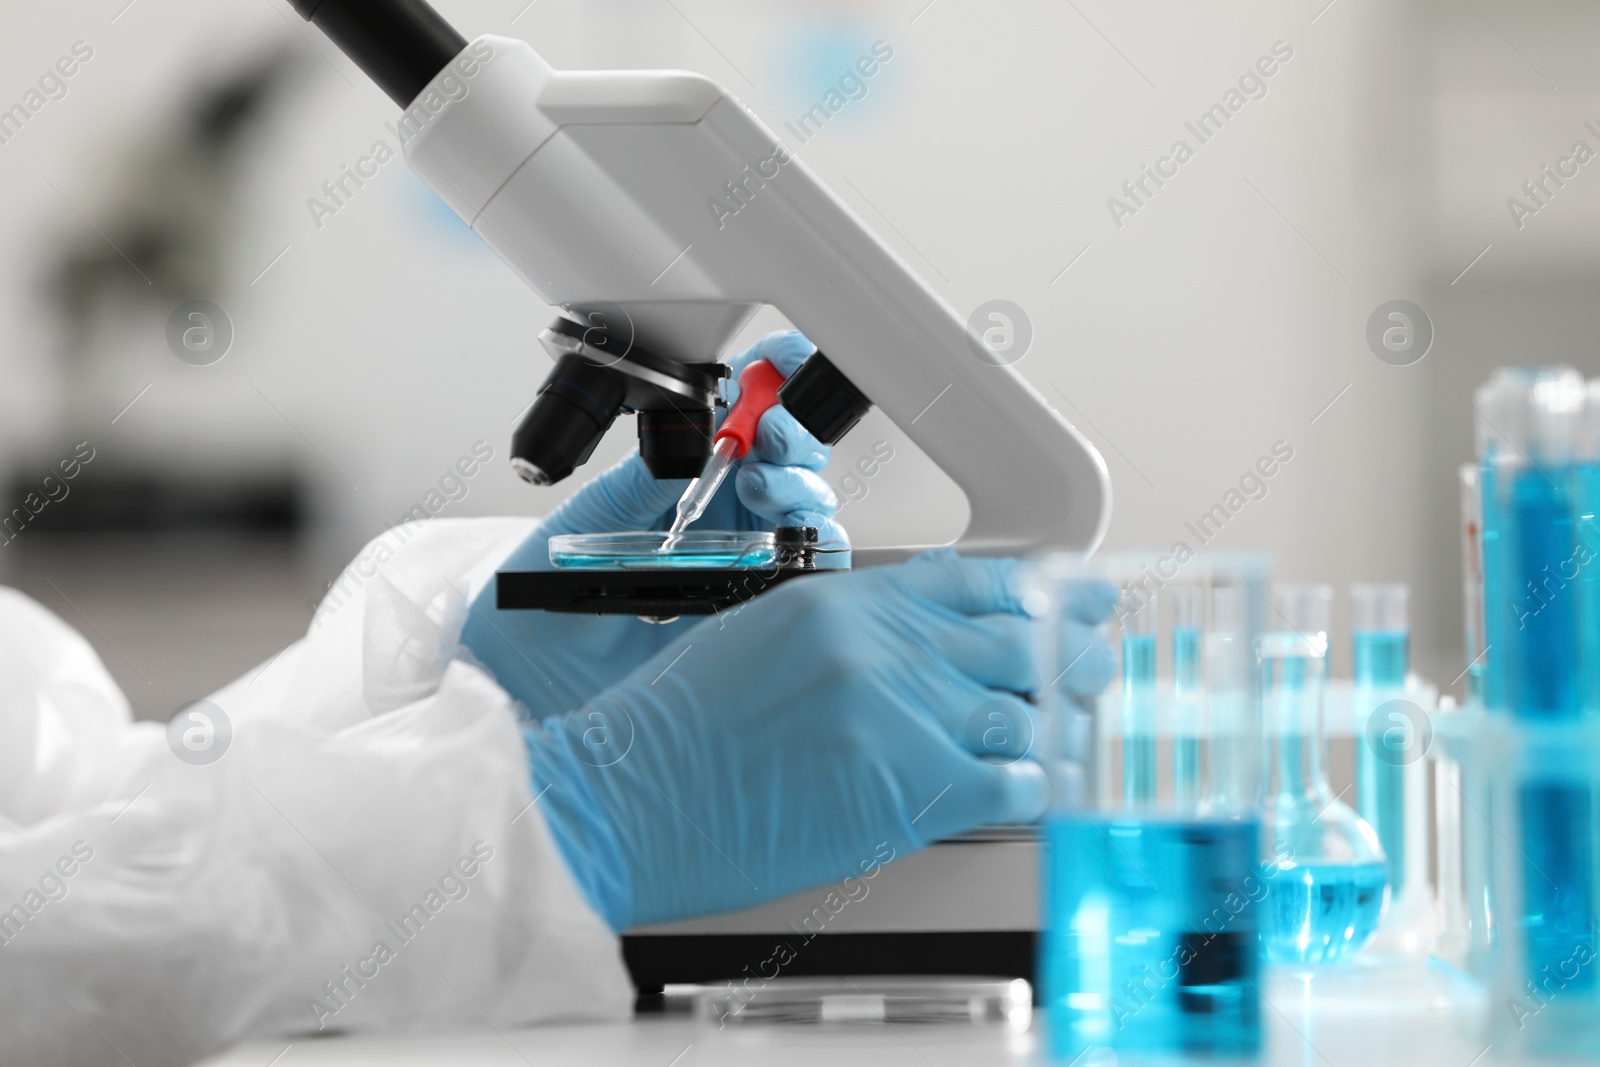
{"type": "Point", "coordinates": [648, 550]}
{"type": "Point", "coordinates": [895, 1000]}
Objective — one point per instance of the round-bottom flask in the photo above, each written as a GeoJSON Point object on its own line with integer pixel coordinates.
{"type": "Point", "coordinates": [1326, 878]}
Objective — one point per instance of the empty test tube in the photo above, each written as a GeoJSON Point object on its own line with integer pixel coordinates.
{"type": "Point", "coordinates": [1233, 765]}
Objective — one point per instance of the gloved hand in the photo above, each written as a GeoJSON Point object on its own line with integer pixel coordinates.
{"type": "Point", "coordinates": [552, 663]}
{"type": "Point", "coordinates": [839, 721]}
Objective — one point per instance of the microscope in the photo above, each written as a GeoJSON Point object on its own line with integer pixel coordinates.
{"type": "Point", "coordinates": [608, 193]}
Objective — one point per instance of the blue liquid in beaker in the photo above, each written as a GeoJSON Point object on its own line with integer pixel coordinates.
{"type": "Point", "coordinates": [1322, 912]}
{"type": "Point", "coordinates": [1150, 941]}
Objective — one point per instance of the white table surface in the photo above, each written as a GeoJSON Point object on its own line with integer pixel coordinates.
{"type": "Point", "coordinates": [1366, 1022]}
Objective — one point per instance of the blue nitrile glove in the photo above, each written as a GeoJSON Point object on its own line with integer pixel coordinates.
{"type": "Point", "coordinates": [779, 483]}
{"type": "Point", "coordinates": [837, 722]}
{"type": "Point", "coordinates": [554, 662]}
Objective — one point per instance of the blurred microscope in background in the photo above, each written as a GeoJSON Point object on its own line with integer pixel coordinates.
{"type": "Point", "coordinates": [184, 574]}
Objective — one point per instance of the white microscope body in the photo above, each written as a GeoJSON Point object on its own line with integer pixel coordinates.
{"type": "Point", "coordinates": [599, 189]}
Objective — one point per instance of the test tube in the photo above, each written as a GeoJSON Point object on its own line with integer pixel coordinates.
{"type": "Point", "coordinates": [1447, 821]}
{"type": "Point", "coordinates": [1380, 633]}
{"type": "Point", "coordinates": [1139, 699]}
{"type": "Point", "coordinates": [1527, 433]}
{"type": "Point", "coordinates": [1307, 611]}
{"type": "Point", "coordinates": [1378, 643]}
{"type": "Point", "coordinates": [1188, 611]}
{"type": "Point", "coordinates": [1472, 580]}
{"type": "Point", "coordinates": [1532, 483]}
{"type": "Point", "coordinates": [1233, 770]}
{"type": "Point", "coordinates": [1586, 551]}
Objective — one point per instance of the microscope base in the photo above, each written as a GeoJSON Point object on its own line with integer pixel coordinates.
{"type": "Point", "coordinates": [652, 593]}
{"type": "Point", "coordinates": [969, 906]}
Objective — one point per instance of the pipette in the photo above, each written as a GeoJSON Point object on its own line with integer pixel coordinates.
{"type": "Point", "coordinates": [758, 391]}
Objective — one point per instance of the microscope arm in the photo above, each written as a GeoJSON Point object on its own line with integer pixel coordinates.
{"type": "Point", "coordinates": [601, 190]}
{"type": "Point", "coordinates": [598, 188]}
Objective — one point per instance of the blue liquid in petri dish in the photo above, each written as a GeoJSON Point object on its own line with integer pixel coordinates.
{"type": "Point", "coordinates": [1380, 661]}
{"type": "Point", "coordinates": [1321, 912]}
{"type": "Point", "coordinates": [749, 559]}
{"type": "Point", "coordinates": [1150, 942]}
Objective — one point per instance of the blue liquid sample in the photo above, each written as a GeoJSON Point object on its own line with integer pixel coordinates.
{"type": "Point", "coordinates": [1586, 484]}
{"type": "Point", "coordinates": [1322, 912]}
{"type": "Point", "coordinates": [1557, 847]}
{"type": "Point", "coordinates": [1497, 580]}
{"type": "Point", "coordinates": [749, 559]}
{"type": "Point", "coordinates": [1151, 941]}
{"type": "Point", "coordinates": [1545, 631]}
{"type": "Point", "coordinates": [1139, 709]}
{"type": "Point", "coordinates": [1186, 658]}
{"type": "Point", "coordinates": [1186, 687]}
{"type": "Point", "coordinates": [1558, 888]}
{"type": "Point", "coordinates": [1380, 661]}
{"type": "Point", "coordinates": [1380, 657]}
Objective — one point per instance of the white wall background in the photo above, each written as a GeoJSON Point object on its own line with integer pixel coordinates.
{"type": "Point", "coordinates": [1225, 316]}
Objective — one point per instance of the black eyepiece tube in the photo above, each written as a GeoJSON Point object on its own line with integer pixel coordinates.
{"type": "Point", "coordinates": [400, 44]}
{"type": "Point", "coordinates": [823, 400]}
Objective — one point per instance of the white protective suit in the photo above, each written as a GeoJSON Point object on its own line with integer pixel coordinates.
{"type": "Point", "coordinates": [365, 855]}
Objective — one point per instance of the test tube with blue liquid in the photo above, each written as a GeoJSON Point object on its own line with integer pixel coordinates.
{"type": "Point", "coordinates": [1536, 472]}
{"type": "Point", "coordinates": [1472, 583]}
{"type": "Point", "coordinates": [1149, 938]}
{"type": "Point", "coordinates": [1585, 561]}
{"type": "Point", "coordinates": [1139, 698]}
{"type": "Point", "coordinates": [1379, 641]}
{"type": "Point", "coordinates": [1188, 625]}
{"type": "Point", "coordinates": [1327, 878]}
{"type": "Point", "coordinates": [1392, 775]}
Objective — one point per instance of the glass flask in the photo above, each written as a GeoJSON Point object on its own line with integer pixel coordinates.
{"type": "Point", "coordinates": [1327, 879]}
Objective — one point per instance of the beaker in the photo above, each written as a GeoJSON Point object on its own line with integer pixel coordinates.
{"type": "Point", "coordinates": [1149, 939]}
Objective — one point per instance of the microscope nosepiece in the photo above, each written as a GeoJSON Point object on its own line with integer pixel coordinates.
{"type": "Point", "coordinates": [575, 407]}
{"type": "Point", "coordinates": [675, 443]}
